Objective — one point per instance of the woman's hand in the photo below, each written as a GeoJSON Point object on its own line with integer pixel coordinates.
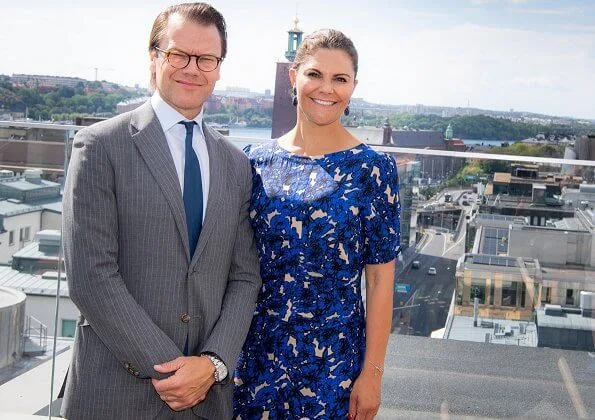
{"type": "Point", "coordinates": [364, 402]}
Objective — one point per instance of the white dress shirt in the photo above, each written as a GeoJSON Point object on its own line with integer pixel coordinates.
{"type": "Point", "coordinates": [175, 134]}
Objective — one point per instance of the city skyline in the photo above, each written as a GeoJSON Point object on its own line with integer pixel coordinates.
{"type": "Point", "coordinates": [526, 55]}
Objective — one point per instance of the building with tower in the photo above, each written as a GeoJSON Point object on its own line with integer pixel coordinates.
{"type": "Point", "coordinates": [284, 116]}
{"type": "Point", "coordinates": [449, 133]}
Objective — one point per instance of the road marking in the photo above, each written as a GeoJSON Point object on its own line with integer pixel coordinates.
{"type": "Point", "coordinates": [572, 389]}
{"type": "Point", "coordinates": [454, 245]}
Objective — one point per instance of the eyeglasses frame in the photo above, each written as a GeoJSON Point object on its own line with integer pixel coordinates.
{"type": "Point", "coordinates": [167, 53]}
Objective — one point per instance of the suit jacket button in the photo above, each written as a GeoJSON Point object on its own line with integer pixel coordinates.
{"type": "Point", "coordinates": [185, 318]}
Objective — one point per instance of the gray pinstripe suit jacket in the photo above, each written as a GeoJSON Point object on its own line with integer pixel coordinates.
{"type": "Point", "coordinates": [139, 290]}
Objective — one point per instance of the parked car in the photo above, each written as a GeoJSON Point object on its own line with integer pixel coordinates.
{"type": "Point", "coordinates": [432, 271]}
{"type": "Point", "coordinates": [415, 264]}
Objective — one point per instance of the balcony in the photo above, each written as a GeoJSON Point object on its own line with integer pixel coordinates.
{"type": "Point", "coordinates": [466, 342]}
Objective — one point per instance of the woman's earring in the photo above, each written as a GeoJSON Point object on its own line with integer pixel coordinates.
{"type": "Point", "coordinates": [294, 96]}
{"type": "Point", "coordinates": [346, 112]}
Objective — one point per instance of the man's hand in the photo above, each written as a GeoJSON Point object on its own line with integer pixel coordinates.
{"type": "Point", "coordinates": [193, 377]}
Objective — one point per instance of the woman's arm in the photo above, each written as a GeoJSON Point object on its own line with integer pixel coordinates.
{"type": "Point", "coordinates": [365, 396]}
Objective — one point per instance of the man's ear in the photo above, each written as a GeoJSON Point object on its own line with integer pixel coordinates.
{"type": "Point", "coordinates": [152, 64]}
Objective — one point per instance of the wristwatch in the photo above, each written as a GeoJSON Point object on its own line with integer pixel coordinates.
{"type": "Point", "coordinates": [220, 368]}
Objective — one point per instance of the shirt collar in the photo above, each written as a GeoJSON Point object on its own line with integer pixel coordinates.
{"type": "Point", "coordinates": [168, 117]}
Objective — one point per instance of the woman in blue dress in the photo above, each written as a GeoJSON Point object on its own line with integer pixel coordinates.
{"type": "Point", "coordinates": [325, 207]}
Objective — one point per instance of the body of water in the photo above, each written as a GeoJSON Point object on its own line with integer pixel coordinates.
{"type": "Point", "coordinates": [257, 133]}
{"type": "Point", "coordinates": [265, 133]}
{"type": "Point", "coordinates": [495, 143]}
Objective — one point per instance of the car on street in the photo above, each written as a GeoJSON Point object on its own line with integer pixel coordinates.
{"type": "Point", "coordinates": [432, 271]}
{"type": "Point", "coordinates": [415, 264]}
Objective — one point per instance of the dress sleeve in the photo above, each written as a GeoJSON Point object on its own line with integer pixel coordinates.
{"type": "Point", "coordinates": [382, 230]}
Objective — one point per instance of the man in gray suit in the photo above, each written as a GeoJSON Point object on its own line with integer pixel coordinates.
{"type": "Point", "coordinates": [160, 256]}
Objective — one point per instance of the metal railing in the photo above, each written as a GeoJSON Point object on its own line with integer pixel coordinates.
{"type": "Point", "coordinates": [35, 329]}
{"type": "Point", "coordinates": [35, 336]}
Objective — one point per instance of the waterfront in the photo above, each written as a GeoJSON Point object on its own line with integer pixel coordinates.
{"type": "Point", "coordinates": [265, 133]}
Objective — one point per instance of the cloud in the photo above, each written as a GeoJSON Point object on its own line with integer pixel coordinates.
{"type": "Point", "coordinates": [482, 2]}
{"type": "Point", "coordinates": [577, 27]}
{"type": "Point", "coordinates": [551, 12]}
{"type": "Point", "coordinates": [543, 82]}
{"type": "Point", "coordinates": [492, 68]}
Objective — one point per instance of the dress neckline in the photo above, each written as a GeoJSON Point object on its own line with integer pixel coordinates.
{"type": "Point", "coordinates": [317, 157]}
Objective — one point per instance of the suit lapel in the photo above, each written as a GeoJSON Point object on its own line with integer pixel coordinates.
{"type": "Point", "coordinates": [216, 187]}
{"type": "Point", "coordinates": [150, 140]}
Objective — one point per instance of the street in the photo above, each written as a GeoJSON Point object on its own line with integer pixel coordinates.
{"type": "Point", "coordinates": [422, 300]}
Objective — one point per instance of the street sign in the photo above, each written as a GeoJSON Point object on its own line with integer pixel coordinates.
{"type": "Point", "coordinates": [402, 288]}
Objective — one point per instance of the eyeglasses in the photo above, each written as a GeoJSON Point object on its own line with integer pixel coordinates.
{"type": "Point", "coordinates": [180, 60]}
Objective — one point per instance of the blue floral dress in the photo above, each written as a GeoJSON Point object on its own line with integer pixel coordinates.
{"type": "Point", "coordinates": [317, 222]}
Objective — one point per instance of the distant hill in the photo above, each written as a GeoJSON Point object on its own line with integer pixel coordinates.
{"type": "Point", "coordinates": [475, 127]}
{"type": "Point", "coordinates": [48, 103]}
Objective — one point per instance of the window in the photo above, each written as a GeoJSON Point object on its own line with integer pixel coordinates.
{"type": "Point", "coordinates": [478, 290]}
{"type": "Point", "coordinates": [24, 234]}
{"type": "Point", "coordinates": [524, 303]}
{"type": "Point", "coordinates": [509, 293]}
{"type": "Point", "coordinates": [569, 297]}
{"type": "Point", "coordinates": [68, 327]}
{"type": "Point", "coordinates": [546, 296]}
{"type": "Point", "coordinates": [11, 237]}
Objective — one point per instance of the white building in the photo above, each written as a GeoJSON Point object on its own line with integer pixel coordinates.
{"type": "Point", "coordinates": [28, 204]}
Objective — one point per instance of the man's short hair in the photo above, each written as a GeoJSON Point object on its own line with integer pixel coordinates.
{"type": "Point", "coordinates": [201, 13]}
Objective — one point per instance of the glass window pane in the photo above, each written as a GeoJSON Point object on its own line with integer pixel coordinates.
{"type": "Point", "coordinates": [68, 327]}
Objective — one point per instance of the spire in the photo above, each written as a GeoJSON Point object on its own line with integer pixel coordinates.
{"type": "Point", "coordinates": [449, 132]}
{"type": "Point", "coordinates": [296, 21]}
{"type": "Point", "coordinates": [294, 39]}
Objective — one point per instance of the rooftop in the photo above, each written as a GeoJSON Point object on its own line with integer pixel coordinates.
{"type": "Point", "coordinates": [569, 223]}
{"type": "Point", "coordinates": [567, 320]}
{"type": "Point", "coordinates": [419, 138]}
{"type": "Point", "coordinates": [502, 177]}
{"type": "Point", "coordinates": [12, 207]}
{"type": "Point", "coordinates": [53, 207]}
{"type": "Point", "coordinates": [569, 273]}
{"type": "Point", "coordinates": [33, 252]}
{"type": "Point", "coordinates": [497, 331]}
{"type": "Point", "coordinates": [10, 297]}
{"type": "Point", "coordinates": [32, 284]}
{"type": "Point", "coordinates": [426, 378]}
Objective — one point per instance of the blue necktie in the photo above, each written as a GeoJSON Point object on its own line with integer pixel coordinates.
{"type": "Point", "coordinates": [192, 190]}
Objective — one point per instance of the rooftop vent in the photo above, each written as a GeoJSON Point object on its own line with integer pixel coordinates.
{"type": "Point", "coordinates": [587, 302]}
{"type": "Point", "coordinates": [48, 239]}
{"type": "Point", "coordinates": [33, 176]}
{"type": "Point", "coordinates": [553, 310]}
{"type": "Point", "coordinates": [53, 275]}
{"type": "Point", "coordinates": [587, 188]}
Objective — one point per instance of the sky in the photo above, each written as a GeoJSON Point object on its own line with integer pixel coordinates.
{"type": "Point", "coordinates": [526, 55]}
